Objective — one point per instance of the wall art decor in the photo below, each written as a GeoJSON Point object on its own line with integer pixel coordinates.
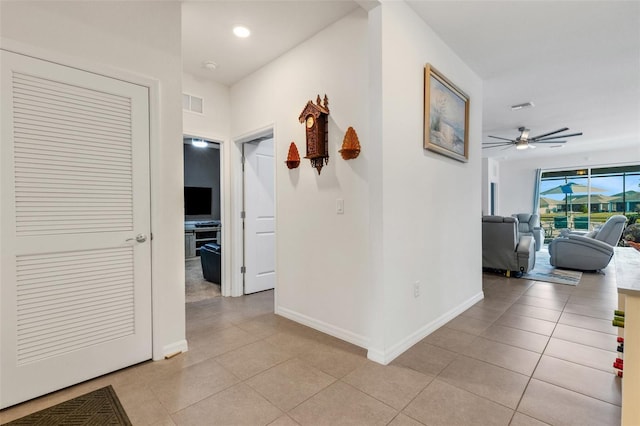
{"type": "Point", "coordinates": [446, 116]}
{"type": "Point", "coordinates": [350, 145]}
{"type": "Point", "coordinates": [316, 120]}
{"type": "Point", "coordinates": [293, 158]}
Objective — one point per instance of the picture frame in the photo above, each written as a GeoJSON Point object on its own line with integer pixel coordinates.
{"type": "Point", "coordinates": [446, 116]}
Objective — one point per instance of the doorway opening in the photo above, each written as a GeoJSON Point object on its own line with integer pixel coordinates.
{"type": "Point", "coordinates": [202, 219]}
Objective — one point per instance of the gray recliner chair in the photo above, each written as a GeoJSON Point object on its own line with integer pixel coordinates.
{"type": "Point", "coordinates": [529, 224]}
{"type": "Point", "coordinates": [587, 251]}
{"type": "Point", "coordinates": [504, 248]}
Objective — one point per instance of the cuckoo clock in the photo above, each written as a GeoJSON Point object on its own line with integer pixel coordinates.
{"type": "Point", "coordinates": [316, 120]}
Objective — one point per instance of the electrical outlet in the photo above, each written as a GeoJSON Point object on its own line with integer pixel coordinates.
{"type": "Point", "coordinates": [416, 289]}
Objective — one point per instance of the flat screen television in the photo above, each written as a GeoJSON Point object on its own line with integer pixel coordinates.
{"type": "Point", "coordinates": [197, 201]}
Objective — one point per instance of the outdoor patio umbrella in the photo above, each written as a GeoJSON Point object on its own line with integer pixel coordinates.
{"type": "Point", "coordinates": [571, 188]}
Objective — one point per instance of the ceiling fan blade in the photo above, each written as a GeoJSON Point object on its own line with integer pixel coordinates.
{"type": "Point", "coordinates": [497, 145]}
{"type": "Point", "coordinates": [559, 136]}
{"type": "Point", "coordinates": [545, 141]}
{"type": "Point", "coordinates": [504, 139]}
{"type": "Point", "coordinates": [549, 134]}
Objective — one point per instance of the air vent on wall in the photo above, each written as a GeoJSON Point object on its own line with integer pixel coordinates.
{"type": "Point", "coordinates": [192, 103]}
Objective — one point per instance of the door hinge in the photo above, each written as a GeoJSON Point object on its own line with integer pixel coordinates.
{"type": "Point", "coordinates": [243, 269]}
{"type": "Point", "coordinates": [151, 236]}
{"type": "Point", "coordinates": [243, 214]}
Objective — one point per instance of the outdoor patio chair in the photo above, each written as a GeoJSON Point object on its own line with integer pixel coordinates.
{"type": "Point", "coordinates": [581, 222]}
{"type": "Point", "coordinates": [560, 222]}
{"type": "Point", "coordinates": [588, 251]}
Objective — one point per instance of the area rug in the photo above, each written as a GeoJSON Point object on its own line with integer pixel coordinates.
{"type": "Point", "coordinates": [196, 287]}
{"type": "Point", "coordinates": [543, 271]}
{"type": "Point", "coordinates": [100, 407]}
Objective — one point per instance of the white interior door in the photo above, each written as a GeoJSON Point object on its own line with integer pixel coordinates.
{"type": "Point", "coordinates": [74, 182]}
{"type": "Point", "coordinates": [259, 240]}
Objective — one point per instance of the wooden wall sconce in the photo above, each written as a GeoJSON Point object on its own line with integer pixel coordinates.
{"type": "Point", "coordinates": [316, 119]}
{"type": "Point", "coordinates": [293, 158]}
{"type": "Point", "coordinates": [350, 145]}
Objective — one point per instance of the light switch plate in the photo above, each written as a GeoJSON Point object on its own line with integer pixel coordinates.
{"type": "Point", "coordinates": [339, 206]}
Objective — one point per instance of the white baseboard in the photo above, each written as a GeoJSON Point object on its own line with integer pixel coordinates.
{"type": "Point", "coordinates": [327, 328]}
{"type": "Point", "coordinates": [173, 348]}
{"type": "Point", "coordinates": [386, 356]}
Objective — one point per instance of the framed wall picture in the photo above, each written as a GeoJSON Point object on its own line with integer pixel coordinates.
{"type": "Point", "coordinates": [446, 116]}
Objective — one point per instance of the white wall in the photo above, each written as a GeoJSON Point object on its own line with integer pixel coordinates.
{"type": "Point", "coordinates": [517, 178]}
{"type": "Point", "coordinates": [321, 257]}
{"type": "Point", "coordinates": [431, 203]}
{"type": "Point", "coordinates": [142, 38]}
{"type": "Point", "coordinates": [214, 122]}
{"type": "Point", "coordinates": [409, 214]}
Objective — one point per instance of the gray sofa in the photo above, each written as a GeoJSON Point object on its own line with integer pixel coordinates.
{"type": "Point", "coordinates": [587, 251]}
{"type": "Point", "coordinates": [529, 224]}
{"type": "Point", "coordinates": [504, 248]}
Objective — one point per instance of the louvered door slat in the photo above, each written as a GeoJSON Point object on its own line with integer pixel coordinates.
{"type": "Point", "coordinates": [37, 109]}
{"type": "Point", "coordinates": [69, 286]}
{"type": "Point", "coordinates": [70, 317]}
{"type": "Point", "coordinates": [63, 322]}
{"type": "Point", "coordinates": [28, 121]}
{"type": "Point", "coordinates": [71, 149]}
{"type": "Point", "coordinates": [45, 85]}
{"type": "Point", "coordinates": [72, 135]}
{"type": "Point", "coordinates": [53, 140]}
{"type": "Point", "coordinates": [24, 156]}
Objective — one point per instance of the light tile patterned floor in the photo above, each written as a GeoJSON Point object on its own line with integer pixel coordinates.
{"type": "Point", "coordinates": [530, 353]}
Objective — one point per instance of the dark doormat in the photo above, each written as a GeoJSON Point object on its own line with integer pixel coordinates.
{"type": "Point", "coordinates": [100, 407]}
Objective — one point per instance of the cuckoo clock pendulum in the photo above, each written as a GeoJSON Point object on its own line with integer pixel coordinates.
{"type": "Point", "coordinates": [316, 120]}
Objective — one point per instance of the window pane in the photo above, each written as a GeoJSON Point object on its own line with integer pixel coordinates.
{"type": "Point", "coordinates": [568, 199]}
{"type": "Point", "coordinates": [605, 191]}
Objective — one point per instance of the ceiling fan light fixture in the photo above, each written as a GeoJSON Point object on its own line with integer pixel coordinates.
{"type": "Point", "coordinates": [522, 106]}
{"type": "Point", "coordinates": [520, 145]}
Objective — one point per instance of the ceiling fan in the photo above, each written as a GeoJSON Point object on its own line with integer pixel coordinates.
{"type": "Point", "coordinates": [524, 141]}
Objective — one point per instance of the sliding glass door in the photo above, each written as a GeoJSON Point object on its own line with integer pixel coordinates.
{"type": "Point", "coordinates": [583, 199]}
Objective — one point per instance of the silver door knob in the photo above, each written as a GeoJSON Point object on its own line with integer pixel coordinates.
{"type": "Point", "coordinates": [141, 238]}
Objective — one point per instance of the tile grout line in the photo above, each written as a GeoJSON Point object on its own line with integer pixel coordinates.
{"type": "Point", "coordinates": [457, 355]}
{"type": "Point", "coordinates": [538, 363]}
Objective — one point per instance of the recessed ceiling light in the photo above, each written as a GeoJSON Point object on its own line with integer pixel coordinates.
{"type": "Point", "coordinates": [522, 106]}
{"type": "Point", "coordinates": [242, 32]}
{"type": "Point", "coordinates": [210, 65]}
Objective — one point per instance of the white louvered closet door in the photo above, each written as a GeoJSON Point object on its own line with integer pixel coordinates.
{"type": "Point", "coordinates": [74, 183]}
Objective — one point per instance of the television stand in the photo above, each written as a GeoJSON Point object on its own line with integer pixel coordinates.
{"type": "Point", "coordinates": [196, 235]}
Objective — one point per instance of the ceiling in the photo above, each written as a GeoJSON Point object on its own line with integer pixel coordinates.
{"type": "Point", "coordinates": [577, 61]}
{"type": "Point", "coordinates": [276, 27]}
